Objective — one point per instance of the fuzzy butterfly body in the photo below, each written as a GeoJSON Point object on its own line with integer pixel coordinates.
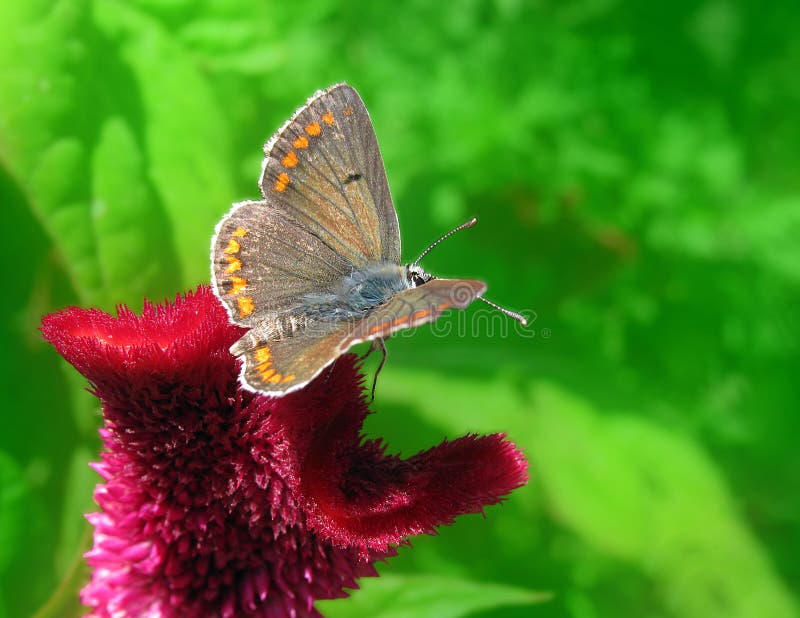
{"type": "Point", "coordinates": [314, 267]}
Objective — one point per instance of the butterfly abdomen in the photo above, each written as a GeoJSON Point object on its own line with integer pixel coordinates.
{"type": "Point", "coordinates": [274, 328]}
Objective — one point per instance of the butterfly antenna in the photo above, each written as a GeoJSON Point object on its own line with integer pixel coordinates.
{"type": "Point", "coordinates": [512, 314]}
{"type": "Point", "coordinates": [463, 226]}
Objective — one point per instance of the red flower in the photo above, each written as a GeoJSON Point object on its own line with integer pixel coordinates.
{"type": "Point", "coordinates": [221, 502]}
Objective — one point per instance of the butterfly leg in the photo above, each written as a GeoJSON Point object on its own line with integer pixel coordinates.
{"type": "Point", "coordinates": [377, 344]}
{"type": "Point", "coordinates": [369, 351]}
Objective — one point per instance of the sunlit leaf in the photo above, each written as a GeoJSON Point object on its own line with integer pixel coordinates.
{"type": "Point", "coordinates": [421, 596]}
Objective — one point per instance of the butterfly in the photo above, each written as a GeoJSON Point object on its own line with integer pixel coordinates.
{"type": "Point", "coordinates": [314, 267]}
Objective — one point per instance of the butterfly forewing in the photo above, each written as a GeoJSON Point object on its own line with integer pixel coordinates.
{"type": "Point", "coordinates": [324, 168]}
{"type": "Point", "coordinates": [416, 306]}
{"type": "Point", "coordinates": [264, 261]}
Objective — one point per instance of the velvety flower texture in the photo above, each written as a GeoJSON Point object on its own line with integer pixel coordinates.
{"type": "Point", "coordinates": [220, 502]}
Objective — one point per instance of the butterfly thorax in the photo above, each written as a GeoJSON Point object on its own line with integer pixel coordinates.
{"type": "Point", "coordinates": [356, 294]}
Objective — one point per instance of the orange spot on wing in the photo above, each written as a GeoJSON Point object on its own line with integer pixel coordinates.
{"type": "Point", "coordinates": [313, 129]}
{"type": "Point", "coordinates": [327, 118]}
{"type": "Point", "coordinates": [422, 313]}
{"type": "Point", "coordinates": [376, 328]}
{"type": "Point", "coordinates": [239, 232]}
{"type": "Point", "coordinates": [444, 306]}
{"type": "Point", "coordinates": [288, 378]}
{"type": "Point", "coordinates": [282, 182]}
{"type": "Point", "coordinates": [263, 354]}
{"type": "Point", "coordinates": [348, 111]}
{"type": "Point", "coordinates": [290, 160]}
{"type": "Point", "coordinates": [275, 379]}
{"type": "Point", "coordinates": [246, 306]}
{"type": "Point", "coordinates": [237, 284]}
{"type": "Point", "coordinates": [234, 264]}
{"type": "Point", "coordinates": [301, 142]}
{"type": "Point", "coordinates": [233, 247]}
{"type": "Point", "coordinates": [388, 325]}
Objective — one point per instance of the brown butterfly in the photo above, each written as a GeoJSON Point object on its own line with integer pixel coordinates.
{"type": "Point", "coordinates": [314, 268]}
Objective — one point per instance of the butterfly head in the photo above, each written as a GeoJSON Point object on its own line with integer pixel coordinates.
{"type": "Point", "coordinates": [416, 276]}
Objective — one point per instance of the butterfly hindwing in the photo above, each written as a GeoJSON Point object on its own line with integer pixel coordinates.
{"type": "Point", "coordinates": [263, 261]}
{"type": "Point", "coordinates": [323, 167]}
{"type": "Point", "coordinates": [279, 367]}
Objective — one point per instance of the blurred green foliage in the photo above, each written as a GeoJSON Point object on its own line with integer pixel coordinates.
{"type": "Point", "coordinates": [634, 167]}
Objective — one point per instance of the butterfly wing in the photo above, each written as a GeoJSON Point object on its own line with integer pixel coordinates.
{"type": "Point", "coordinates": [279, 367]}
{"type": "Point", "coordinates": [324, 168]}
{"type": "Point", "coordinates": [416, 306]}
{"type": "Point", "coordinates": [282, 366]}
{"type": "Point", "coordinates": [263, 261]}
{"type": "Point", "coordinates": [327, 212]}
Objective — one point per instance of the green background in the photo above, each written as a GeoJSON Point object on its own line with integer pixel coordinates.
{"type": "Point", "coordinates": [634, 167]}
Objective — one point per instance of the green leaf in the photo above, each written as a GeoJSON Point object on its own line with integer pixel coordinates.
{"type": "Point", "coordinates": [134, 243]}
{"type": "Point", "coordinates": [419, 596]}
{"type": "Point", "coordinates": [86, 181]}
{"type": "Point", "coordinates": [186, 136]}
{"type": "Point", "coordinates": [79, 486]}
{"type": "Point", "coordinates": [456, 404]}
{"type": "Point", "coordinates": [652, 497]}
{"type": "Point", "coordinates": [630, 488]}
{"type": "Point", "coordinates": [14, 497]}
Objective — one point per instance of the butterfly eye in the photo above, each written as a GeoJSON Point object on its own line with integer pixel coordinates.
{"type": "Point", "coordinates": [417, 276]}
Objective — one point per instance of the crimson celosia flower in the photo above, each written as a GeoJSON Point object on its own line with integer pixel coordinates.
{"type": "Point", "coordinates": [220, 502]}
